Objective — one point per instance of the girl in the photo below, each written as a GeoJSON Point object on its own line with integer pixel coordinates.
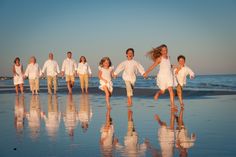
{"type": "Point", "coordinates": [33, 72]}
{"type": "Point", "coordinates": [18, 75]}
{"type": "Point", "coordinates": [84, 72]}
{"type": "Point", "coordinates": [165, 79]}
{"type": "Point", "coordinates": [105, 74]}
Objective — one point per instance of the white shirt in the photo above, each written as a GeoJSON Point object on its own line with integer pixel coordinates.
{"type": "Point", "coordinates": [182, 74]}
{"type": "Point", "coordinates": [33, 71]}
{"type": "Point", "coordinates": [52, 67]}
{"type": "Point", "coordinates": [130, 68]}
{"type": "Point", "coordinates": [69, 66]}
{"type": "Point", "coordinates": [84, 68]}
{"type": "Point", "coordinates": [106, 73]}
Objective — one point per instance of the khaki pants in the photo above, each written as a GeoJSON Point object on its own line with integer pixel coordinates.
{"type": "Point", "coordinates": [34, 84]}
{"type": "Point", "coordinates": [52, 80]}
{"type": "Point", "coordinates": [179, 89]}
{"type": "Point", "coordinates": [129, 88]}
{"type": "Point", "coordinates": [83, 80]}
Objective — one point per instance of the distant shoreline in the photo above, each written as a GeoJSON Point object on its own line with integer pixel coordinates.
{"type": "Point", "coordinates": [138, 92]}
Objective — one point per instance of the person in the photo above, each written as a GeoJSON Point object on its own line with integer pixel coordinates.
{"type": "Point", "coordinates": [105, 74]}
{"type": "Point", "coordinates": [20, 112]}
{"type": "Point", "coordinates": [166, 135]}
{"type": "Point", "coordinates": [180, 73]}
{"type": "Point", "coordinates": [183, 140]}
{"type": "Point", "coordinates": [165, 78]}
{"type": "Point", "coordinates": [51, 67]}
{"type": "Point", "coordinates": [18, 74]}
{"type": "Point", "coordinates": [130, 68]}
{"type": "Point", "coordinates": [69, 69]}
{"type": "Point", "coordinates": [53, 119]}
{"type": "Point", "coordinates": [33, 72]}
{"type": "Point", "coordinates": [84, 72]}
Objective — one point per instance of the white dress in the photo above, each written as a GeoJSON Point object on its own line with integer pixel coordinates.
{"type": "Point", "coordinates": [106, 74]}
{"type": "Point", "coordinates": [18, 78]}
{"type": "Point", "coordinates": [165, 76]}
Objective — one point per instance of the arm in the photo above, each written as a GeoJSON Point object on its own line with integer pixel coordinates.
{"type": "Point", "coordinates": [63, 68]}
{"type": "Point", "coordinates": [22, 70]}
{"type": "Point", "coordinates": [140, 68]}
{"type": "Point", "coordinates": [152, 67]}
{"type": "Point", "coordinates": [44, 67]}
{"type": "Point", "coordinates": [26, 72]}
{"type": "Point", "coordinates": [190, 73]}
{"type": "Point", "coordinates": [58, 69]}
{"type": "Point", "coordinates": [89, 71]}
{"type": "Point", "coordinates": [14, 70]}
{"type": "Point", "coordinates": [119, 68]}
{"type": "Point", "coordinates": [75, 67]}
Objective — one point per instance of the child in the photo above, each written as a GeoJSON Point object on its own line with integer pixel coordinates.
{"type": "Point", "coordinates": [181, 72]}
{"type": "Point", "coordinates": [84, 72]}
{"type": "Point", "coordinates": [130, 67]}
{"type": "Point", "coordinates": [33, 72]}
{"type": "Point", "coordinates": [105, 75]}
{"type": "Point", "coordinates": [165, 80]}
{"type": "Point", "coordinates": [18, 75]}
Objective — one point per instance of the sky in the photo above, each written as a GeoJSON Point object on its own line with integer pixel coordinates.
{"type": "Point", "coordinates": [203, 30]}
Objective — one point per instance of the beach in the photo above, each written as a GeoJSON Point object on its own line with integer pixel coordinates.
{"type": "Point", "coordinates": [30, 135]}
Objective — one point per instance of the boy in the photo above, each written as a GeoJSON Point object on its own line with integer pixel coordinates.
{"type": "Point", "coordinates": [181, 72]}
{"type": "Point", "coordinates": [130, 67]}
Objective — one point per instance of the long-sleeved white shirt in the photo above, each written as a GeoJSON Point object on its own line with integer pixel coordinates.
{"type": "Point", "coordinates": [33, 71]}
{"type": "Point", "coordinates": [69, 66]}
{"type": "Point", "coordinates": [182, 74]}
{"type": "Point", "coordinates": [51, 67]}
{"type": "Point", "coordinates": [130, 67]}
{"type": "Point", "coordinates": [84, 68]}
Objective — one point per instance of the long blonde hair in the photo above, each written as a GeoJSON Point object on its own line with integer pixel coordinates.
{"type": "Point", "coordinates": [155, 52]}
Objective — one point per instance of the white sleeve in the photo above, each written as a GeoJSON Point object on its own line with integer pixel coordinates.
{"type": "Point", "coordinates": [58, 69]}
{"type": "Point", "coordinates": [27, 71]}
{"type": "Point", "coordinates": [140, 68]}
{"type": "Point", "coordinates": [75, 65]}
{"type": "Point", "coordinates": [119, 68]}
{"type": "Point", "coordinates": [89, 70]}
{"type": "Point", "coordinates": [78, 68]}
{"type": "Point", "coordinates": [44, 67]}
{"type": "Point", "coordinates": [63, 66]}
{"type": "Point", "coordinates": [190, 72]}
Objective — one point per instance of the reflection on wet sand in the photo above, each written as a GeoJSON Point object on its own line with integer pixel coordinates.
{"type": "Point", "coordinates": [107, 140]}
{"type": "Point", "coordinates": [71, 116]}
{"type": "Point", "coordinates": [34, 116]}
{"type": "Point", "coordinates": [131, 146]}
{"type": "Point", "coordinates": [19, 113]}
{"type": "Point", "coordinates": [85, 112]}
{"type": "Point", "coordinates": [52, 120]}
{"type": "Point", "coordinates": [183, 140]}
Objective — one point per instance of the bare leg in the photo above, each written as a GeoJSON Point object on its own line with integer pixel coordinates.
{"type": "Point", "coordinates": [161, 123]}
{"type": "Point", "coordinates": [16, 88]}
{"type": "Point", "coordinates": [108, 94]}
{"type": "Point", "coordinates": [180, 95]}
{"type": "Point", "coordinates": [129, 100]}
{"type": "Point", "coordinates": [172, 103]}
{"type": "Point", "coordinates": [158, 93]}
{"type": "Point", "coordinates": [69, 87]}
{"type": "Point", "coordinates": [21, 89]}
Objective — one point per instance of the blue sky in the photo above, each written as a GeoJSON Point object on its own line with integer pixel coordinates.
{"type": "Point", "coordinates": [204, 31]}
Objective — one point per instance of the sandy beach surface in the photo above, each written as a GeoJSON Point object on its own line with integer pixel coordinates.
{"type": "Point", "coordinates": [66, 125]}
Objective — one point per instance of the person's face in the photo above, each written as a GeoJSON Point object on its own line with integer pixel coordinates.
{"type": "Point", "coordinates": [181, 61]}
{"type": "Point", "coordinates": [17, 61]}
{"type": "Point", "coordinates": [130, 55]}
{"type": "Point", "coordinates": [164, 51]}
{"type": "Point", "coordinates": [69, 55]}
{"type": "Point", "coordinates": [32, 60]}
{"type": "Point", "coordinates": [106, 64]}
{"type": "Point", "coordinates": [51, 56]}
{"type": "Point", "coordinates": [83, 59]}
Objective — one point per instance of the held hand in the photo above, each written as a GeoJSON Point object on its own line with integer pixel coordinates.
{"type": "Point", "coordinates": [90, 75]}
{"type": "Point", "coordinates": [62, 73]}
{"type": "Point", "coordinates": [191, 77]}
{"type": "Point", "coordinates": [114, 76]}
{"type": "Point", "coordinates": [145, 75]}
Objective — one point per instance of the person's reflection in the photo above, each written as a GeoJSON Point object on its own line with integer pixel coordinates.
{"type": "Point", "coordinates": [19, 113]}
{"type": "Point", "coordinates": [85, 112]}
{"type": "Point", "coordinates": [107, 140]}
{"type": "Point", "coordinates": [71, 117]}
{"type": "Point", "coordinates": [131, 145]}
{"type": "Point", "coordinates": [52, 121]}
{"type": "Point", "coordinates": [34, 116]}
{"type": "Point", "coordinates": [166, 136]}
{"type": "Point", "coordinates": [183, 140]}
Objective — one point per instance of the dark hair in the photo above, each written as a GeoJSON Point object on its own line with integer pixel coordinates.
{"type": "Point", "coordinates": [17, 58]}
{"type": "Point", "coordinates": [80, 60]}
{"type": "Point", "coordinates": [103, 60]}
{"type": "Point", "coordinates": [155, 52]}
{"type": "Point", "coordinates": [129, 49]}
{"type": "Point", "coordinates": [69, 52]}
{"type": "Point", "coordinates": [181, 56]}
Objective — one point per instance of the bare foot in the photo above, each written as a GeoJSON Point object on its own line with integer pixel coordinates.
{"type": "Point", "coordinates": [182, 106]}
{"type": "Point", "coordinates": [156, 96]}
{"type": "Point", "coordinates": [174, 109]}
